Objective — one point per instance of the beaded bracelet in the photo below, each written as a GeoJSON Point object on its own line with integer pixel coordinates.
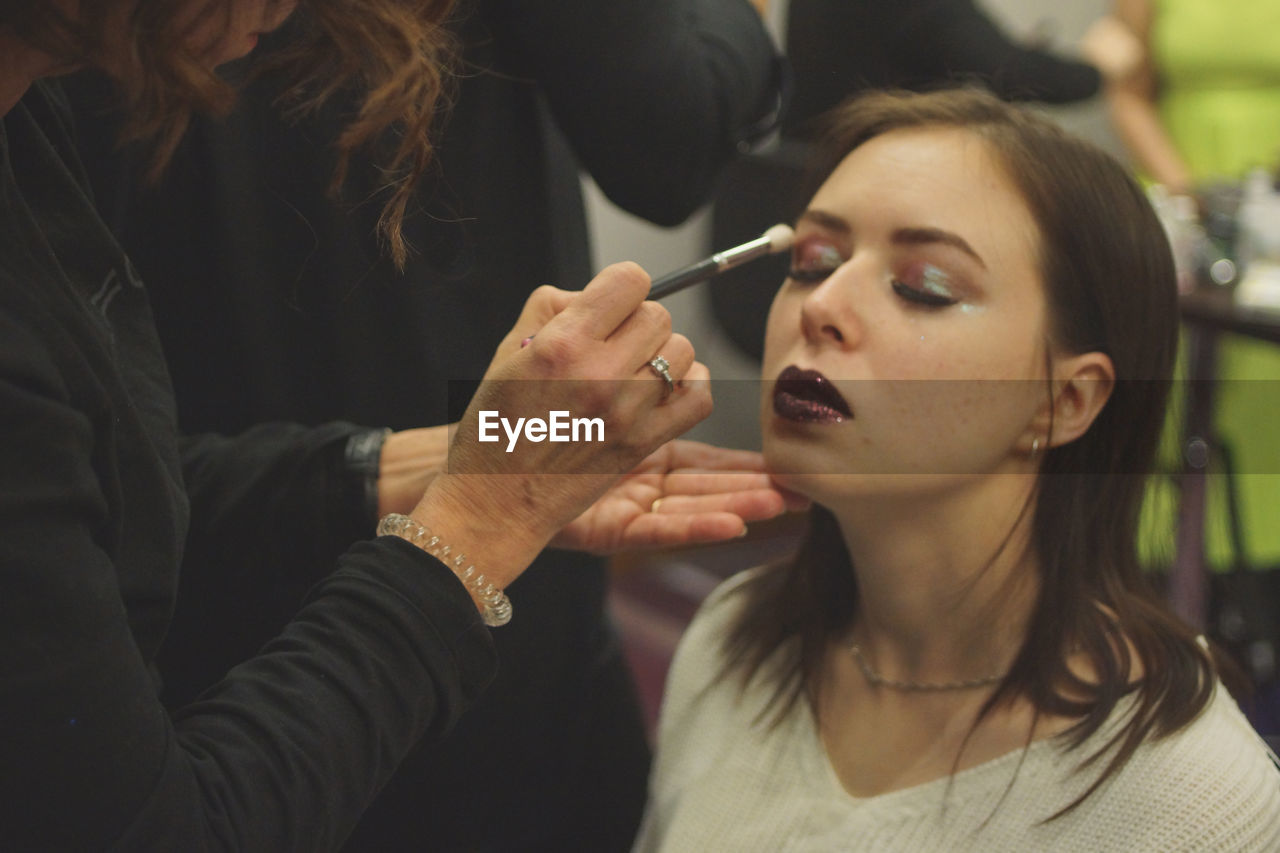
{"type": "Point", "coordinates": [496, 606]}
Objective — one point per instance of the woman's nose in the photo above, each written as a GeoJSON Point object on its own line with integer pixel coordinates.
{"type": "Point", "coordinates": [827, 314]}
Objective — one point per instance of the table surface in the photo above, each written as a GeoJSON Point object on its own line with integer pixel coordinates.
{"type": "Point", "coordinates": [1214, 307]}
{"type": "Point", "coordinates": [1206, 312]}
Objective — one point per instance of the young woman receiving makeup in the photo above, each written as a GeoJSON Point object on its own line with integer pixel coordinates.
{"type": "Point", "coordinates": [966, 372]}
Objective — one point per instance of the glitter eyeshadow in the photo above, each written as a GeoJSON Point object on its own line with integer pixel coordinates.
{"type": "Point", "coordinates": [935, 281]}
{"type": "Point", "coordinates": [828, 258]}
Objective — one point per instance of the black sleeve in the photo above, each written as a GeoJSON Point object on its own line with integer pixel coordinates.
{"type": "Point", "coordinates": [960, 40]}
{"type": "Point", "coordinates": [283, 754]}
{"type": "Point", "coordinates": [654, 95]}
{"type": "Point", "coordinates": [287, 751]}
{"type": "Point", "coordinates": [277, 492]}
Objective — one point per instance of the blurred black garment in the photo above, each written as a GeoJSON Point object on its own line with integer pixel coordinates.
{"type": "Point", "coordinates": [840, 47]}
{"type": "Point", "coordinates": [275, 303]}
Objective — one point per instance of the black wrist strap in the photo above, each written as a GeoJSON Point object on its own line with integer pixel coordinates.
{"type": "Point", "coordinates": [361, 459]}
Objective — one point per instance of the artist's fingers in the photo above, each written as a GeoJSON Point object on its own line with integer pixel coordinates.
{"type": "Point", "coordinates": [697, 481]}
{"type": "Point", "coordinates": [749, 505]}
{"type": "Point", "coordinates": [543, 305]}
{"type": "Point", "coordinates": [689, 403]}
{"type": "Point", "coordinates": [679, 355]}
{"type": "Point", "coordinates": [608, 300]}
{"type": "Point", "coordinates": [699, 455]}
{"type": "Point", "coordinates": [549, 301]}
{"type": "Point", "coordinates": [663, 531]}
{"type": "Point", "coordinates": [642, 333]}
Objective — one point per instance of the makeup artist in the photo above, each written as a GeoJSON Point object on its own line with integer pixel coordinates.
{"type": "Point", "coordinates": [274, 302]}
{"type": "Point", "coordinates": [98, 495]}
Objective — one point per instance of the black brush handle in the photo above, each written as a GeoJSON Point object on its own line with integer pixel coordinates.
{"type": "Point", "coordinates": [680, 279]}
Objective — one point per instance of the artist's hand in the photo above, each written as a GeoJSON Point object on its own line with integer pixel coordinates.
{"type": "Point", "coordinates": [684, 493]}
{"type": "Point", "coordinates": [590, 359]}
{"type": "Point", "coordinates": [541, 308]}
{"type": "Point", "coordinates": [410, 460]}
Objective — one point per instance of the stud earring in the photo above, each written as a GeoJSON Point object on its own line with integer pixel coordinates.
{"type": "Point", "coordinates": [1035, 446]}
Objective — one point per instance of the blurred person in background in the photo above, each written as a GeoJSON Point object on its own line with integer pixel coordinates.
{"type": "Point", "coordinates": [1202, 103]}
{"type": "Point", "coordinates": [1200, 109]}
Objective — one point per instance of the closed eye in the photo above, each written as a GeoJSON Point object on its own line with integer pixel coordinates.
{"type": "Point", "coordinates": [925, 284]}
{"type": "Point", "coordinates": [809, 276]}
{"type": "Point", "coordinates": [922, 297]}
{"type": "Point", "coordinates": [813, 259]}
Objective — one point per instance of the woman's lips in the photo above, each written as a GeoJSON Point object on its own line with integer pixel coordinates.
{"type": "Point", "coordinates": [806, 396]}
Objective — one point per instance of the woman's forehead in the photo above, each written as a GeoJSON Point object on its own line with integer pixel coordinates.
{"type": "Point", "coordinates": [939, 176]}
{"type": "Point", "coordinates": [954, 164]}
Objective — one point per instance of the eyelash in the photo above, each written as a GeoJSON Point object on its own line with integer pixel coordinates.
{"type": "Point", "coordinates": [808, 276]}
{"type": "Point", "coordinates": [902, 289]}
{"type": "Point", "coordinates": [921, 297]}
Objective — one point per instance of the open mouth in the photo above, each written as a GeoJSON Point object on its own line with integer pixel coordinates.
{"type": "Point", "coordinates": [807, 396]}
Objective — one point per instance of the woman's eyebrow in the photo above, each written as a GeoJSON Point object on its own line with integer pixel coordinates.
{"type": "Point", "coordinates": [824, 219]}
{"type": "Point", "coordinates": [913, 236]}
{"type": "Point", "coordinates": [921, 235]}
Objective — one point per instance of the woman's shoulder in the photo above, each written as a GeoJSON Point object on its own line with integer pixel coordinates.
{"type": "Point", "coordinates": [697, 669]}
{"type": "Point", "coordinates": [1221, 737]}
{"type": "Point", "coordinates": [704, 637]}
{"type": "Point", "coordinates": [1214, 780]}
{"type": "Point", "coordinates": [710, 719]}
{"type": "Point", "coordinates": [725, 599]}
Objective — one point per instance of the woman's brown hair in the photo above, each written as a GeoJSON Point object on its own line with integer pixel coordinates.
{"type": "Point", "coordinates": [1109, 284]}
{"type": "Point", "coordinates": [394, 53]}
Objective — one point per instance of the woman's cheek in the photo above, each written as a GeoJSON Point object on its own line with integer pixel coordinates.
{"type": "Point", "coordinates": [781, 328]}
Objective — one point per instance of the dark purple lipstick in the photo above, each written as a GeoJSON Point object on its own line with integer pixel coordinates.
{"type": "Point", "coordinates": [806, 396]}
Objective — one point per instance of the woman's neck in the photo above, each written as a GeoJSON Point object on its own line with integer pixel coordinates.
{"type": "Point", "coordinates": [946, 582]}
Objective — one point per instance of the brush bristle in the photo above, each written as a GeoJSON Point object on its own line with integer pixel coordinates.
{"type": "Point", "coordinates": [780, 238]}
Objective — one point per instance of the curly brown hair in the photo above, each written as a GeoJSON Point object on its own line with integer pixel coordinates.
{"type": "Point", "coordinates": [394, 53]}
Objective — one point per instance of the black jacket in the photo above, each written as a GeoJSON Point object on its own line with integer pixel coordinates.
{"type": "Point", "coordinates": [840, 47]}
{"type": "Point", "coordinates": [97, 496]}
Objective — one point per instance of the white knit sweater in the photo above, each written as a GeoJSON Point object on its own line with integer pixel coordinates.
{"type": "Point", "coordinates": [724, 781]}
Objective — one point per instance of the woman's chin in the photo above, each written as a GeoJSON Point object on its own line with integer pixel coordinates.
{"type": "Point", "coordinates": [789, 480]}
{"type": "Point", "coordinates": [799, 475]}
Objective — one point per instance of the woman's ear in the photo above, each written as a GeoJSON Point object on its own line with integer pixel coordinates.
{"type": "Point", "coordinates": [1082, 384]}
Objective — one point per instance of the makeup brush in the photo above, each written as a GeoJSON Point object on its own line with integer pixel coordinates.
{"type": "Point", "coordinates": [777, 239]}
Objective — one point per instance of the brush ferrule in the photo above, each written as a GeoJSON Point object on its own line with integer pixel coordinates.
{"type": "Point", "coordinates": [741, 254]}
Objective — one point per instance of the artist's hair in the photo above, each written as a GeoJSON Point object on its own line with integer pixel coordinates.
{"type": "Point", "coordinates": [394, 54]}
{"type": "Point", "coordinates": [1109, 286]}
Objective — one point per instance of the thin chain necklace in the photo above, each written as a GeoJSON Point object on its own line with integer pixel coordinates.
{"type": "Point", "coordinates": [878, 680]}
